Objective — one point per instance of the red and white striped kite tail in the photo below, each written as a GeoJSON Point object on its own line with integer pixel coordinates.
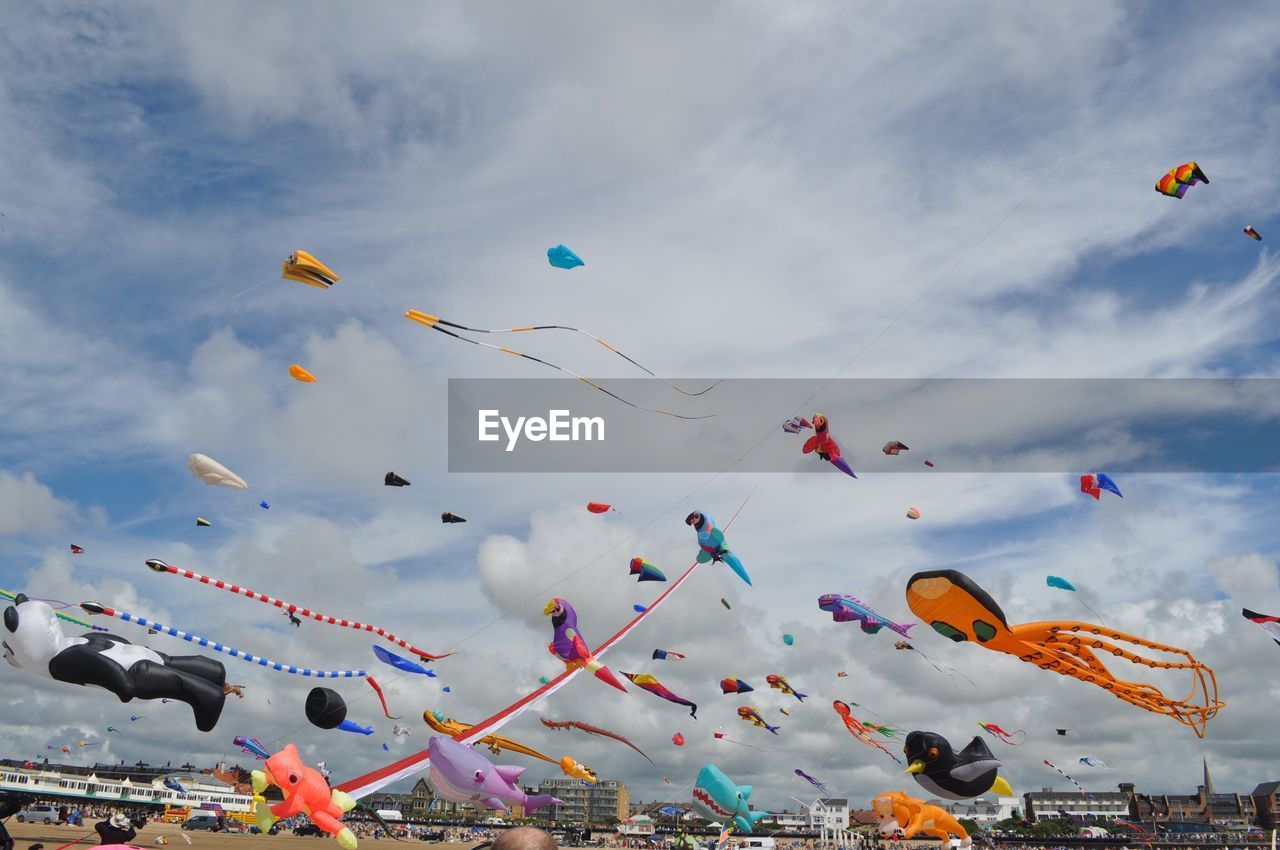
{"type": "Point", "coordinates": [160, 566]}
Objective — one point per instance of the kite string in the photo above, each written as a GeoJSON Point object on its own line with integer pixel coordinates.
{"type": "Point", "coordinates": [125, 616]}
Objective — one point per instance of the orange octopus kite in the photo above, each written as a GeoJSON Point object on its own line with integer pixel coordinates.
{"type": "Point", "coordinates": [959, 609]}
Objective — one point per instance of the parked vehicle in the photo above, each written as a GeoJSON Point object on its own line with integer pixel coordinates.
{"type": "Point", "coordinates": [38, 814]}
{"type": "Point", "coordinates": [309, 829]}
{"type": "Point", "coordinates": [209, 822]}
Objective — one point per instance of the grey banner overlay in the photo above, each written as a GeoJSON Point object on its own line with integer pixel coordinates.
{"type": "Point", "coordinates": [962, 425]}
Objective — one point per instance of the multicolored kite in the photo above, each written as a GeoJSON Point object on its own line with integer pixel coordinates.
{"type": "Point", "coordinates": [648, 682]}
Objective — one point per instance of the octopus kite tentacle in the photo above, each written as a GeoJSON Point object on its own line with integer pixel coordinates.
{"type": "Point", "coordinates": [160, 566]}
{"type": "Point", "coordinates": [99, 608]}
{"type": "Point", "coordinates": [592, 730]}
{"type": "Point", "coordinates": [960, 610]}
{"type": "Point", "coordinates": [434, 323]}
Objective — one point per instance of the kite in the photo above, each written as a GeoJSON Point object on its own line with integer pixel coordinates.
{"type": "Point", "coordinates": [789, 640]}
{"type": "Point", "coordinates": [1088, 761]}
{"type": "Point", "coordinates": [134, 718]}
{"type": "Point", "coordinates": [720, 736]}
{"type": "Point", "coordinates": [251, 746]}
{"type": "Point", "coordinates": [825, 445]}
{"type": "Point", "coordinates": [441, 325]}
{"type": "Point", "coordinates": [201, 522]}
{"type": "Point", "coordinates": [780, 683]}
{"type": "Point", "coordinates": [159, 566]}
{"type": "Point", "coordinates": [326, 709]}
{"type": "Point", "coordinates": [447, 517]}
{"type": "Point", "coordinates": [305, 793]}
{"type": "Point", "coordinates": [1095, 483]}
{"type": "Point", "coordinates": [600, 508]}
{"type": "Point", "coordinates": [716, 797]}
{"type": "Point", "coordinates": [402, 663]}
{"type": "Point", "coordinates": [712, 546]}
{"type": "Point", "coordinates": [1251, 233]}
{"type": "Point", "coordinates": [496, 743]}
{"type": "Point", "coordinates": [639, 609]}
{"type": "Point", "coordinates": [592, 730]}
{"type": "Point", "coordinates": [725, 603]}
{"type": "Point", "coordinates": [957, 776]}
{"type": "Point", "coordinates": [567, 643]}
{"type": "Point", "coordinates": [304, 268]}
{"type": "Point", "coordinates": [301, 375]}
{"type": "Point", "coordinates": [846, 609]}
{"type": "Point", "coordinates": [377, 689]}
{"type": "Point", "coordinates": [960, 610]}
{"type": "Point", "coordinates": [562, 258]}
{"type": "Point", "coordinates": [645, 571]}
{"type": "Point", "coordinates": [1064, 775]}
{"type": "Point", "coordinates": [543, 680]}
{"type": "Point", "coordinates": [784, 711]}
{"type": "Point", "coordinates": [896, 811]}
{"type": "Point", "coordinates": [446, 689]}
{"type": "Point", "coordinates": [570, 767]}
{"type": "Point", "coordinates": [1176, 181]}
{"type": "Point", "coordinates": [678, 739]}
{"type": "Point", "coordinates": [730, 685]}
{"type": "Point", "coordinates": [859, 730]}
{"type": "Point", "coordinates": [399, 731]}
{"type": "Point", "coordinates": [663, 654]}
{"type": "Point", "coordinates": [1270, 624]}
{"type": "Point", "coordinates": [174, 785]}
{"type": "Point", "coordinates": [1063, 584]}
{"type": "Point", "coordinates": [294, 621]}
{"type": "Point", "coordinates": [412, 764]}
{"type": "Point", "coordinates": [796, 424]}
{"type": "Point", "coordinates": [814, 782]}
{"type": "Point", "coordinates": [842, 674]}
{"type": "Point", "coordinates": [114, 729]}
{"type": "Point", "coordinates": [161, 628]}
{"type": "Point", "coordinates": [66, 618]}
{"type": "Point", "coordinates": [1062, 733]}
{"type": "Point", "coordinates": [913, 513]}
{"type": "Point", "coordinates": [393, 480]}
{"type": "Point", "coordinates": [950, 671]}
{"type": "Point", "coordinates": [1007, 737]}
{"type": "Point", "coordinates": [77, 550]}
{"type": "Point", "coordinates": [893, 447]}
{"type": "Point", "coordinates": [34, 641]}
{"type": "Point", "coordinates": [749, 713]}
{"type": "Point", "coordinates": [648, 682]}
{"type": "Point", "coordinates": [386, 748]}
{"type": "Point", "coordinates": [265, 505]}
{"type": "Point", "coordinates": [212, 473]}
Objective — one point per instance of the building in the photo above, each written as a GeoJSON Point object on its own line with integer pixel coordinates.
{"type": "Point", "coordinates": [829, 813]}
{"type": "Point", "coordinates": [1205, 808]}
{"type": "Point", "coordinates": [606, 803]}
{"type": "Point", "coordinates": [787, 819]}
{"type": "Point", "coordinates": [198, 788]}
{"type": "Point", "coordinates": [1266, 805]}
{"type": "Point", "coordinates": [1047, 804]}
{"type": "Point", "coordinates": [981, 810]}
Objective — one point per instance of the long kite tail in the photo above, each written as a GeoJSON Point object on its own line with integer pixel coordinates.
{"type": "Point", "coordinates": [1064, 775]}
{"type": "Point", "coordinates": [587, 334]}
{"type": "Point", "coordinates": [99, 608]}
{"type": "Point", "coordinates": [592, 730]}
{"type": "Point", "coordinates": [160, 566]}
{"type": "Point", "coordinates": [434, 323]}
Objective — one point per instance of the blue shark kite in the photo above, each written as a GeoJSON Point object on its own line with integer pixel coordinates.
{"type": "Point", "coordinates": [711, 544]}
{"type": "Point", "coordinates": [716, 798]}
{"type": "Point", "coordinates": [846, 609]}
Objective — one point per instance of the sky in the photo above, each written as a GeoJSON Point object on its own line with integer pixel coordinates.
{"type": "Point", "coordinates": [799, 190]}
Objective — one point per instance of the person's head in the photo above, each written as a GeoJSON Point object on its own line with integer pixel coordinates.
{"type": "Point", "coordinates": [118, 820]}
{"type": "Point", "coordinates": [524, 838]}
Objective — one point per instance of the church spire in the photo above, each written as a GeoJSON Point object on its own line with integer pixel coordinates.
{"type": "Point", "coordinates": [1208, 782]}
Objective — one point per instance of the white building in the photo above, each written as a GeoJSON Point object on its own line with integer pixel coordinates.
{"type": "Point", "coordinates": [1046, 804]}
{"type": "Point", "coordinates": [981, 810]}
{"type": "Point", "coordinates": [787, 819]}
{"type": "Point", "coordinates": [830, 813]}
{"type": "Point", "coordinates": [200, 789]}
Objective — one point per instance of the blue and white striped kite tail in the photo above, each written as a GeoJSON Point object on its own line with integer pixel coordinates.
{"type": "Point", "coordinates": [161, 628]}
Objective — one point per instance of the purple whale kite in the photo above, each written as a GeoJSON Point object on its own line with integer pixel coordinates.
{"type": "Point", "coordinates": [846, 609]}
{"type": "Point", "coordinates": [461, 775]}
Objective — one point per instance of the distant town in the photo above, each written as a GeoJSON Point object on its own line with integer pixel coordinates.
{"type": "Point", "coordinates": [1047, 812]}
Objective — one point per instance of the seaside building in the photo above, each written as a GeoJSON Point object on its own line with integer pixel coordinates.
{"type": "Point", "coordinates": [606, 803]}
{"type": "Point", "coordinates": [982, 809]}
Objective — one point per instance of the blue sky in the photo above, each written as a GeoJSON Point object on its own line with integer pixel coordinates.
{"type": "Point", "coordinates": [758, 191]}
